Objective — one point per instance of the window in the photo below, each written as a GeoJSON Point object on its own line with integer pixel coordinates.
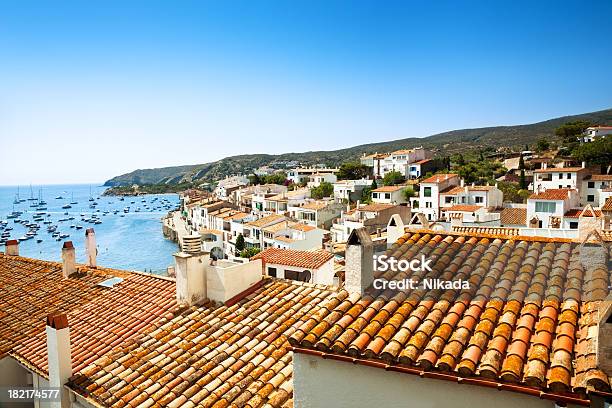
{"type": "Point", "coordinates": [545, 207]}
{"type": "Point", "coordinates": [574, 225]}
{"type": "Point", "coordinates": [428, 204]}
{"type": "Point", "coordinates": [427, 192]}
{"type": "Point", "coordinates": [560, 176]}
{"type": "Point", "coordinates": [272, 272]}
{"type": "Point", "coordinates": [387, 196]}
{"type": "Point", "coordinates": [569, 176]}
{"type": "Point", "coordinates": [303, 276]}
{"type": "Point", "coordinates": [590, 198]}
{"type": "Point", "coordinates": [591, 184]}
{"type": "Point", "coordinates": [449, 200]}
{"type": "Point", "coordinates": [479, 200]}
{"type": "Point", "coordinates": [374, 195]}
{"type": "Point", "coordinates": [560, 186]}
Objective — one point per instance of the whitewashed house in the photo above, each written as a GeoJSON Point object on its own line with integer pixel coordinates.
{"type": "Point", "coordinates": [558, 177]}
{"type": "Point", "coordinates": [429, 194]}
{"type": "Point", "coordinates": [389, 195]}
{"type": "Point", "coordinates": [546, 209]}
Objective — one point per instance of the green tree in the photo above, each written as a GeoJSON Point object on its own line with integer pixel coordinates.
{"type": "Point", "coordinates": [240, 243]}
{"type": "Point", "coordinates": [597, 152]}
{"type": "Point", "coordinates": [408, 193]}
{"type": "Point", "coordinates": [522, 180]}
{"type": "Point", "coordinates": [460, 160]}
{"type": "Point", "coordinates": [249, 252]}
{"type": "Point", "coordinates": [276, 178]}
{"type": "Point", "coordinates": [374, 185]}
{"type": "Point", "coordinates": [542, 145]}
{"type": "Point", "coordinates": [254, 179]}
{"type": "Point", "coordinates": [392, 178]}
{"type": "Point", "coordinates": [366, 195]}
{"type": "Point", "coordinates": [353, 171]}
{"type": "Point", "coordinates": [570, 131]}
{"type": "Point", "coordinates": [325, 189]}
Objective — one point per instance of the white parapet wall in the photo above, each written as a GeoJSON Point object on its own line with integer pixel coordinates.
{"type": "Point", "coordinates": [226, 279]}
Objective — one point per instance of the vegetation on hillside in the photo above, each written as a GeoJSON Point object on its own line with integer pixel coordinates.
{"type": "Point", "coordinates": [324, 189]}
{"type": "Point", "coordinates": [469, 142]}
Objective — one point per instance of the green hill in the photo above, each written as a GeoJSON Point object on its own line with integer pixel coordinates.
{"type": "Point", "coordinates": [444, 144]}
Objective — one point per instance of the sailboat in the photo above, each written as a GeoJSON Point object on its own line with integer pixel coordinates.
{"type": "Point", "coordinates": [32, 198]}
{"type": "Point", "coordinates": [72, 202]}
{"type": "Point", "coordinates": [17, 200]}
{"type": "Point", "coordinates": [90, 196]}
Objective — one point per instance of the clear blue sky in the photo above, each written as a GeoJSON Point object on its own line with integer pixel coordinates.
{"type": "Point", "coordinates": [89, 90]}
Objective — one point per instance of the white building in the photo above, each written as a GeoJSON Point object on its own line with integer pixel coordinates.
{"type": "Point", "coordinates": [299, 237]}
{"type": "Point", "coordinates": [389, 195]}
{"type": "Point", "coordinates": [302, 174]}
{"type": "Point", "coordinates": [558, 177]}
{"type": "Point", "coordinates": [546, 209]}
{"type": "Point", "coordinates": [229, 184]}
{"type": "Point", "coordinates": [316, 179]}
{"type": "Point", "coordinates": [592, 133]}
{"type": "Point", "coordinates": [305, 266]}
{"type": "Point", "coordinates": [369, 216]}
{"type": "Point", "coordinates": [399, 160]}
{"type": "Point", "coordinates": [317, 213]}
{"type": "Point", "coordinates": [595, 189]}
{"type": "Point", "coordinates": [429, 194]}
{"type": "Point", "coordinates": [484, 196]}
{"type": "Point", "coordinates": [350, 190]}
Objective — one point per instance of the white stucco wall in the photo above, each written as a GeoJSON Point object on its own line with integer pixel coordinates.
{"type": "Point", "coordinates": [228, 279]}
{"type": "Point", "coordinates": [318, 382]}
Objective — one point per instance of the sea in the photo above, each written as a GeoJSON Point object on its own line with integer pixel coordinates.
{"type": "Point", "coordinates": [129, 239]}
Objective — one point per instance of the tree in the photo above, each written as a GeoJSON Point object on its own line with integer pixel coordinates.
{"type": "Point", "coordinates": [522, 180]}
{"type": "Point", "coordinates": [254, 179]}
{"type": "Point", "coordinates": [542, 145]}
{"type": "Point", "coordinates": [276, 178]}
{"type": "Point", "coordinates": [481, 157]}
{"type": "Point", "coordinates": [598, 151]}
{"type": "Point", "coordinates": [240, 243]}
{"type": "Point", "coordinates": [353, 171]}
{"type": "Point", "coordinates": [408, 193]}
{"type": "Point", "coordinates": [570, 131]}
{"type": "Point", "coordinates": [366, 195]}
{"type": "Point", "coordinates": [460, 160]}
{"type": "Point", "coordinates": [325, 189]}
{"type": "Point", "coordinates": [373, 186]}
{"type": "Point", "coordinates": [249, 252]}
{"type": "Point", "coordinates": [392, 178]}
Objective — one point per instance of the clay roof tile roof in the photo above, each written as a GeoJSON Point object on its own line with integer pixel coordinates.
{"type": "Point", "coordinates": [437, 178]}
{"type": "Point", "coordinates": [291, 257]}
{"type": "Point", "coordinates": [513, 216]}
{"type": "Point", "coordinates": [552, 194]}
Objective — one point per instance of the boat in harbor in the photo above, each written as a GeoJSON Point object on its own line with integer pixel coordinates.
{"type": "Point", "coordinates": [66, 206]}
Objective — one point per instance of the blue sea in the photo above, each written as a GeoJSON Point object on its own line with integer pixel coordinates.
{"type": "Point", "coordinates": [126, 240]}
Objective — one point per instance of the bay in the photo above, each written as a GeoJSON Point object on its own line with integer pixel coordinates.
{"type": "Point", "coordinates": [130, 240]}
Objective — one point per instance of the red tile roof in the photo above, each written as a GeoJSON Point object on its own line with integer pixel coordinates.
{"type": "Point", "coordinates": [513, 216]}
{"type": "Point", "coordinates": [462, 208]}
{"type": "Point", "coordinates": [601, 177]}
{"type": "Point", "coordinates": [437, 178]}
{"type": "Point", "coordinates": [576, 212]}
{"type": "Point", "coordinates": [528, 316]}
{"type": "Point", "coordinates": [607, 205]}
{"type": "Point", "coordinates": [100, 318]}
{"type": "Point", "coordinates": [388, 189]}
{"type": "Point", "coordinates": [560, 170]}
{"type": "Point", "coordinates": [210, 355]}
{"type": "Point", "coordinates": [376, 207]}
{"type": "Point", "coordinates": [552, 194]}
{"type": "Point", "coordinates": [291, 257]}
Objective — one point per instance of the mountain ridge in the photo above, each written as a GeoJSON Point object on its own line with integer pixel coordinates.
{"type": "Point", "coordinates": [444, 143]}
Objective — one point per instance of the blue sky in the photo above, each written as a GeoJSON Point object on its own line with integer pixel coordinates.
{"type": "Point", "coordinates": [89, 90]}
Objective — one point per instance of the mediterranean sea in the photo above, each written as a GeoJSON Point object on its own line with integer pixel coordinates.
{"type": "Point", "coordinates": [128, 239]}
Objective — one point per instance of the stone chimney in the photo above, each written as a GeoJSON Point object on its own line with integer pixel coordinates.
{"type": "Point", "coordinates": [90, 244]}
{"type": "Point", "coordinates": [12, 247]}
{"type": "Point", "coordinates": [191, 264]}
{"type": "Point", "coordinates": [68, 259]}
{"type": "Point", "coordinates": [395, 229]}
{"type": "Point", "coordinates": [59, 357]}
{"type": "Point", "coordinates": [359, 273]}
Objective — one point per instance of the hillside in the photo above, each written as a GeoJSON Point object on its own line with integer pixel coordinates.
{"type": "Point", "coordinates": [447, 143]}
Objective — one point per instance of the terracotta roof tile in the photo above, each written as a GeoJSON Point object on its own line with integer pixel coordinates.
{"type": "Point", "coordinates": [513, 216]}
{"type": "Point", "coordinates": [270, 219]}
{"type": "Point", "coordinates": [99, 317]}
{"type": "Point", "coordinates": [519, 321]}
{"type": "Point", "coordinates": [388, 189]}
{"type": "Point", "coordinates": [437, 178]}
{"type": "Point", "coordinates": [291, 257]}
{"type": "Point", "coordinates": [463, 208]}
{"type": "Point", "coordinates": [210, 355]}
{"type": "Point", "coordinates": [552, 194]}
{"type": "Point", "coordinates": [576, 212]}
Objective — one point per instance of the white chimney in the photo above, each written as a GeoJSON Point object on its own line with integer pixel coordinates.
{"type": "Point", "coordinates": [59, 357]}
{"type": "Point", "coordinates": [90, 245]}
{"type": "Point", "coordinates": [583, 164]}
{"type": "Point", "coordinates": [12, 247]}
{"type": "Point", "coordinates": [462, 183]}
{"type": "Point", "coordinates": [68, 259]}
{"type": "Point", "coordinates": [191, 264]}
{"type": "Point", "coordinates": [395, 229]}
{"type": "Point", "coordinates": [544, 165]}
{"type": "Point", "coordinates": [359, 273]}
